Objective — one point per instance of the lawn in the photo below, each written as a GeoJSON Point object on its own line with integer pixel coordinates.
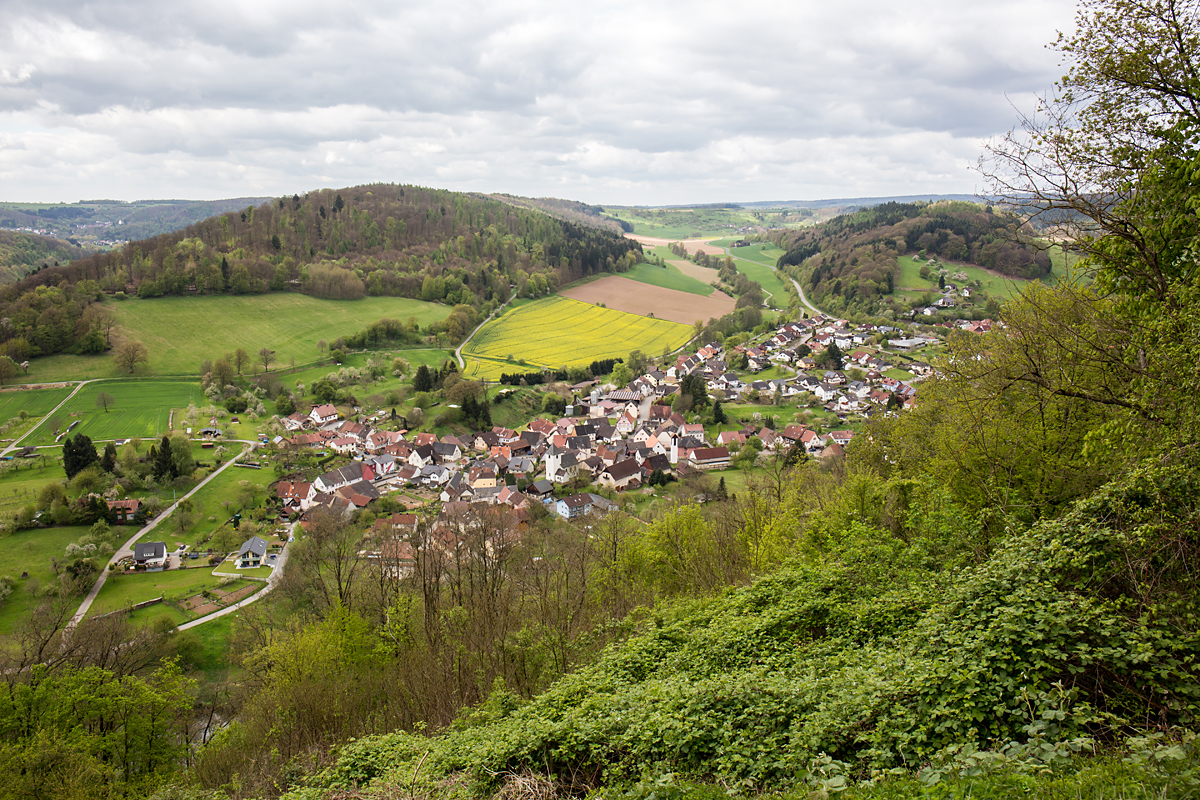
{"type": "Point", "coordinates": [668, 277]}
{"type": "Point", "coordinates": [559, 332]}
{"type": "Point", "coordinates": [22, 479]}
{"type": "Point", "coordinates": [31, 552]}
{"type": "Point", "coordinates": [174, 585]}
{"type": "Point", "coordinates": [139, 409]}
{"type": "Point", "coordinates": [209, 502]}
{"type": "Point", "coordinates": [182, 332]}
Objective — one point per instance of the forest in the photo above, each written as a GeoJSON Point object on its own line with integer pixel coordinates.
{"type": "Point", "coordinates": [380, 240]}
{"type": "Point", "coordinates": [993, 595]}
{"type": "Point", "coordinates": [849, 262]}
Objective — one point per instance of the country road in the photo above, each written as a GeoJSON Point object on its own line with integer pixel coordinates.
{"type": "Point", "coordinates": [795, 283]}
{"type": "Point", "coordinates": [458, 350]}
{"type": "Point", "coordinates": [126, 549]}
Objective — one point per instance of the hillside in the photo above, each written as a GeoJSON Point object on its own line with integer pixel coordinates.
{"type": "Point", "coordinates": [849, 264]}
{"type": "Point", "coordinates": [382, 240]}
{"type": "Point", "coordinates": [101, 223]}
{"type": "Point", "coordinates": [23, 253]}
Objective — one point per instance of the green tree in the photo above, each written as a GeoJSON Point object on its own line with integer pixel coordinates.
{"type": "Point", "coordinates": [422, 380]}
{"type": "Point", "coordinates": [240, 359]}
{"type": "Point", "coordinates": [78, 454]}
{"type": "Point", "coordinates": [164, 462]}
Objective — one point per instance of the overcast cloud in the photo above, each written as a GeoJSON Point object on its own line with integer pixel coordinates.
{"type": "Point", "coordinates": [605, 102]}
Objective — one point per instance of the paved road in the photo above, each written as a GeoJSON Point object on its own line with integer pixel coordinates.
{"type": "Point", "coordinates": [126, 549]}
{"type": "Point", "coordinates": [795, 283]}
{"type": "Point", "coordinates": [50, 414]}
{"type": "Point", "coordinates": [458, 350]}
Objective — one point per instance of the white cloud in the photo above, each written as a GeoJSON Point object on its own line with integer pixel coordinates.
{"type": "Point", "coordinates": [605, 102]}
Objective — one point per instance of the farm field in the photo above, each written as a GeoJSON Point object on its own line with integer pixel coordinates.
{"type": "Point", "coordinates": [691, 245]}
{"type": "Point", "coordinates": [139, 410]}
{"type": "Point", "coordinates": [669, 277]}
{"type": "Point", "coordinates": [561, 332]}
{"type": "Point", "coordinates": [182, 332]}
{"type": "Point", "coordinates": [34, 402]}
{"type": "Point", "coordinates": [637, 298]}
{"type": "Point", "coordinates": [686, 223]}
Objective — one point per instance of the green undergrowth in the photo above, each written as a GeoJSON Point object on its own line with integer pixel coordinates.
{"type": "Point", "coordinates": [920, 660]}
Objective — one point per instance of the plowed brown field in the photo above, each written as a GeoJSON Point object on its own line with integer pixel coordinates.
{"type": "Point", "coordinates": [622, 294]}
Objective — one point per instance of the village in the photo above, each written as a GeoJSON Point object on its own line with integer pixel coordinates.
{"type": "Point", "coordinates": [615, 439]}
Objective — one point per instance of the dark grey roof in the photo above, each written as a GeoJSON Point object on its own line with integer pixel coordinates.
{"type": "Point", "coordinates": [145, 550]}
{"type": "Point", "coordinates": [253, 545]}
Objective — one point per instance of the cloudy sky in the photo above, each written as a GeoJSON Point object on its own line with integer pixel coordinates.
{"type": "Point", "coordinates": [607, 101]}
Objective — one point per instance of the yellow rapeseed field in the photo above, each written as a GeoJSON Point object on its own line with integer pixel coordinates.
{"type": "Point", "coordinates": [558, 332]}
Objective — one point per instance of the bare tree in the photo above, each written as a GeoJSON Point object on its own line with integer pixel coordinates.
{"type": "Point", "coordinates": [267, 357]}
{"type": "Point", "coordinates": [130, 354]}
{"type": "Point", "coordinates": [240, 359]}
{"type": "Point", "coordinates": [104, 400]}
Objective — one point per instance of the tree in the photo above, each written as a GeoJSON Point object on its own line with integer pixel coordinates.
{"type": "Point", "coordinates": [222, 372]}
{"type": "Point", "coordinates": [422, 380]}
{"type": "Point", "coordinates": [164, 463]}
{"type": "Point", "coordinates": [8, 369]}
{"type": "Point", "coordinates": [130, 354]}
{"type": "Point", "coordinates": [266, 356]}
{"type": "Point", "coordinates": [78, 454]}
{"type": "Point", "coordinates": [1108, 161]}
{"type": "Point", "coordinates": [104, 400]}
{"type": "Point", "coordinates": [240, 359]}
{"type": "Point", "coordinates": [108, 461]}
{"type": "Point", "coordinates": [718, 413]}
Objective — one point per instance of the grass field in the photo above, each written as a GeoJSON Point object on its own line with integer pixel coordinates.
{"type": "Point", "coordinates": [998, 286]}
{"type": "Point", "coordinates": [691, 223]}
{"type": "Point", "coordinates": [759, 265]}
{"type": "Point", "coordinates": [558, 332]}
{"type": "Point", "coordinates": [31, 551]}
{"type": "Point", "coordinates": [182, 332]}
{"type": "Point", "coordinates": [139, 410]}
{"type": "Point", "coordinates": [34, 402]}
{"type": "Point", "coordinates": [668, 277]}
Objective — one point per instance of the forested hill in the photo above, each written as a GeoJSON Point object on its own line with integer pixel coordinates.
{"type": "Point", "coordinates": [23, 253]}
{"type": "Point", "coordinates": [379, 240]}
{"type": "Point", "coordinates": [849, 263]}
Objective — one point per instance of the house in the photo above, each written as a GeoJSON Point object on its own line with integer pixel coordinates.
{"type": "Point", "coordinates": [122, 511]}
{"type": "Point", "coordinates": [574, 506]}
{"type": "Point", "coordinates": [841, 437]}
{"type": "Point", "coordinates": [619, 475]}
{"type": "Point", "coordinates": [151, 556]}
{"type": "Point", "coordinates": [253, 551]}
{"type": "Point", "coordinates": [709, 457]}
{"type": "Point", "coordinates": [541, 490]}
{"type": "Point", "coordinates": [396, 524]}
{"type": "Point", "coordinates": [323, 414]}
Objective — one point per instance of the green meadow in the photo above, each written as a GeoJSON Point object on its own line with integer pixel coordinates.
{"type": "Point", "coordinates": [668, 277]}
{"type": "Point", "coordinates": [180, 333]}
{"type": "Point", "coordinates": [32, 552]}
{"type": "Point", "coordinates": [139, 409]}
{"type": "Point", "coordinates": [1000, 287]}
{"type": "Point", "coordinates": [758, 264]}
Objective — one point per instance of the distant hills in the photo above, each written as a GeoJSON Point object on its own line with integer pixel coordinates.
{"type": "Point", "coordinates": [24, 253]}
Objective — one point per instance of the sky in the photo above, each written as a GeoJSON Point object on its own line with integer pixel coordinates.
{"type": "Point", "coordinates": [607, 102]}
